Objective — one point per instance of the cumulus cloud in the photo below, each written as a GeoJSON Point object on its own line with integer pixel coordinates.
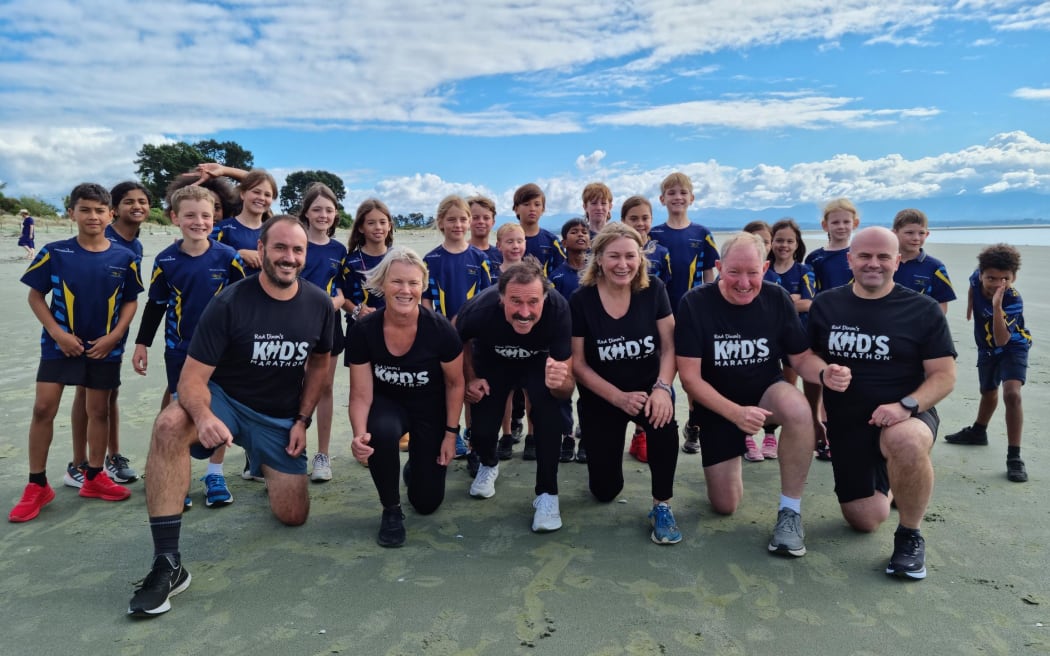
{"type": "Point", "coordinates": [587, 162]}
{"type": "Point", "coordinates": [1028, 93]}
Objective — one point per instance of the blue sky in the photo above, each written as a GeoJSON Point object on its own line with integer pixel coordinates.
{"type": "Point", "coordinates": [769, 106]}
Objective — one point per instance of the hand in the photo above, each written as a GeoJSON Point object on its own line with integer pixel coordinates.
{"type": "Point", "coordinates": [209, 170]}
{"type": "Point", "coordinates": [69, 344]}
{"type": "Point", "coordinates": [212, 433]}
{"type": "Point", "coordinates": [359, 447]}
{"type": "Point", "coordinates": [448, 450]}
{"type": "Point", "coordinates": [997, 297]}
{"type": "Point", "coordinates": [632, 403]}
{"type": "Point", "coordinates": [837, 377]}
{"type": "Point", "coordinates": [751, 418]}
{"type": "Point", "coordinates": [365, 310]}
{"type": "Point", "coordinates": [659, 408]}
{"type": "Point", "coordinates": [251, 258]}
{"type": "Point", "coordinates": [889, 414]}
{"type": "Point", "coordinates": [476, 389]}
{"type": "Point", "coordinates": [555, 373]}
{"type": "Point", "coordinates": [100, 348]}
{"type": "Point", "coordinates": [140, 359]}
{"type": "Point", "coordinates": [296, 439]}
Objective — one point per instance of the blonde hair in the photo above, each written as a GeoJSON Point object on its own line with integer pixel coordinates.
{"type": "Point", "coordinates": [844, 204]}
{"type": "Point", "coordinates": [376, 277]}
{"type": "Point", "coordinates": [192, 193]}
{"type": "Point", "coordinates": [446, 204]}
{"type": "Point", "coordinates": [744, 239]}
{"type": "Point", "coordinates": [506, 229]}
{"type": "Point", "coordinates": [676, 179]}
{"type": "Point", "coordinates": [487, 203]}
{"type": "Point", "coordinates": [610, 233]}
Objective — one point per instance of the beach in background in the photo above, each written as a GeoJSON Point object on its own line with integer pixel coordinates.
{"type": "Point", "coordinates": [473, 579]}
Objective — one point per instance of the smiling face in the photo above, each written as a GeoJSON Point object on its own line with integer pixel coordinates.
{"type": "Point", "coordinates": [912, 237]}
{"type": "Point", "coordinates": [133, 208]}
{"type": "Point", "coordinates": [481, 221]}
{"type": "Point", "coordinates": [258, 199]}
{"type": "Point", "coordinates": [840, 224]}
{"type": "Point", "coordinates": [740, 272]}
{"type": "Point", "coordinates": [283, 254]}
{"type": "Point", "coordinates": [375, 227]}
{"type": "Point", "coordinates": [677, 199]}
{"type": "Point", "coordinates": [455, 224]}
{"type": "Point", "coordinates": [322, 214]}
{"type": "Point", "coordinates": [195, 219]}
{"type": "Point", "coordinates": [403, 287]}
{"type": "Point", "coordinates": [873, 258]}
{"type": "Point", "coordinates": [511, 246]}
{"type": "Point", "coordinates": [619, 262]}
{"type": "Point", "coordinates": [523, 305]}
{"type": "Point", "coordinates": [640, 217]}
{"type": "Point", "coordinates": [91, 217]}
{"type": "Point", "coordinates": [784, 245]}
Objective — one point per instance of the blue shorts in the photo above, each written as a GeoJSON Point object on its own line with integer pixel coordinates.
{"type": "Point", "coordinates": [81, 371]}
{"type": "Point", "coordinates": [264, 438]}
{"type": "Point", "coordinates": [993, 369]}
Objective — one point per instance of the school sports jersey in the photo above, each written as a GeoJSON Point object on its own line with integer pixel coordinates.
{"type": "Point", "coordinates": [692, 251]}
{"type": "Point", "coordinates": [797, 280]}
{"type": "Point", "coordinates": [830, 268]}
{"type": "Point", "coordinates": [456, 277]}
{"type": "Point", "coordinates": [324, 265]}
{"type": "Point", "coordinates": [565, 279]}
{"type": "Point", "coordinates": [546, 248]}
{"type": "Point", "coordinates": [239, 236]}
{"type": "Point", "coordinates": [185, 283]}
{"type": "Point", "coordinates": [1013, 308]}
{"type": "Point", "coordinates": [495, 257]}
{"type": "Point", "coordinates": [926, 275]}
{"type": "Point", "coordinates": [659, 259]}
{"type": "Point", "coordinates": [87, 291]}
{"type": "Point", "coordinates": [355, 266]}
{"type": "Point", "coordinates": [134, 245]}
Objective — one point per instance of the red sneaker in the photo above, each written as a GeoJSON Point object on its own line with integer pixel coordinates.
{"type": "Point", "coordinates": [34, 497]}
{"type": "Point", "coordinates": [638, 447]}
{"type": "Point", "coordinates": [103, 488]}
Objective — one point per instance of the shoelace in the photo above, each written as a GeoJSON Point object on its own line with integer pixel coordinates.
{"type": "Point", "coordinates": [118, 461]}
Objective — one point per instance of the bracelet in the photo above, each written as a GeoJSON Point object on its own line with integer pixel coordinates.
{"type": "Point", "coordinates": [659, 384]}
{"type": "Point", "coordinates": [452, 429]}
{"type": "Point", "coordinates": [356, 313]}
{"type": "Point", "coordinates": [821, 377]}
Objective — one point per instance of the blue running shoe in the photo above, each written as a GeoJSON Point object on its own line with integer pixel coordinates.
{"type": "Point", "coordinates": [461, 446]}
{"type": "Point", "coordinates": [665, 529]}
{"type": "Point", "coordinates": [215, 491]}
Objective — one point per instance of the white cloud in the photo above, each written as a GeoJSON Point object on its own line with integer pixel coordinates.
{"type": "Point", "coordinates": [1028, 93]}
{"type": "Point", "coordinates": [587, 162]}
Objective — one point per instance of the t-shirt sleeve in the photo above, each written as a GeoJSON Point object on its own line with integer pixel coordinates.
{"type": "Point", "coordinates": [662, 301]}
{"type": "Point", "coordinates": [359, 346]}
{"type": "Point", "coordinates": [817, 327]}
{"type": "Point", "coordinates": [710, 251]}
{"type": "Point", "coordinates": [211, 336]}
{"type": "Point", "coordinates": [938, 343]}
{"type": "Point", "coordinates": [941, 286]}
{"type": "Point", "coordinates": [235, 271]}
{"type": "Point", "coordinates": [38, 275]}
{"type": "Point", "coordinates": [466, 319]}
{"type": "Point", "coordinates": [449, 344]}
{"type": "Point", "coordinates": [807, 282]}
{"type": "Point", "coordinates": [561, 340]}
{"type": "Point", "coordinates": [132, 280]}
{"type": "Point", "coordinates": [687, 339]}
{"type": "Point", "coordinates": [158, 285]}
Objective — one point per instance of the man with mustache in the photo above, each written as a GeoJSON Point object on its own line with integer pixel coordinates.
{"type": "Point", "coordinates": [518, 335]}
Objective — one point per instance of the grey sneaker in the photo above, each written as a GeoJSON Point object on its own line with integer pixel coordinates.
{"type": "Point", "coordinates": [788, 534]}
{"type": "Point", "coordinates": [74, 476]}
{"type": "Point", "coordinates": [322, 468]}
{"type": "Point", "coordinates": [119, 470]}
{"type": "Point", "coordinates": [692, 439]}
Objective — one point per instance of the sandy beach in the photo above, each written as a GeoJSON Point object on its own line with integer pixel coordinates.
{"type": "Point", "coordinates": [473, 579]}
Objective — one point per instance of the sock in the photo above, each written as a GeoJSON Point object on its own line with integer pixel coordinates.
{"type": "Point", "coordinates": [165, 531]}
{"type": "Point", "coordinates": [40, 479]}
{"type": "Point", "coordinates": [906, 530]}
{"type": "Point", "coordinates": [980, 428]}
{"type": "Point", "coordinates": [215, 468]}
{"type": "Point", "coordinates": [788, 502]}
{"type": "Point", "coordinates": [91, 472]}
{"type": "Point", "coordinates": [1013, 452]}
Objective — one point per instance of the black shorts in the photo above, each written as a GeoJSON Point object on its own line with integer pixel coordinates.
{"type": "Point", "coordinates": [81, 371]}
{"type": "Point", "coordinates": [860, 469]}
{"type": "Point", "coordinates": [721, 439]}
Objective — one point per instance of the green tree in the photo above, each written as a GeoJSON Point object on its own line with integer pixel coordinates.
{"type": "Point", "coordinates": [159, 165]}
{"type": "Point", "coordinates": [295, 186]}
{"type": "Point", "coordinates": [229, 153]}
{"type": "Point", "coordinates": [37, 207]}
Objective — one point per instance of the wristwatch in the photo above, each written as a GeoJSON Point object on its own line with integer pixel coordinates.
{"type": "Point", "coordinates": [306, 419]}
{"type": "Point", "coordinates": [659, 384]}
{"type": "Point", "coordinates": [910, 404]}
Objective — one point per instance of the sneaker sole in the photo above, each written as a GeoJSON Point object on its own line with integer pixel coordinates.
{"type": "Point", "coordinates": [656, 540]}
{"type": "Point", "coordinates": [478, 494]}
{"type": "Point", "coordinates": [105, 497]}
{"type": "Point", "coordinates": [751, 458]}
{"type": "Point", "coordinates": [785, 551]}
{"type": "Point", "coordinates": [218, 504]}
{"type": "Point", "coordinates": [690, 449]}
{"type": "Point", "coordinates": [545, 529]}
{"type": "Point", "coordinates": [69, 481]}
{"type": "Point", "coordinates": [324, 478]}
{"type": "Point", "coordinates": [901, 574]}
{"type": "Point", "coordinates": [166, 606]}
{"type": "Point", "coordinates": [121, 479]}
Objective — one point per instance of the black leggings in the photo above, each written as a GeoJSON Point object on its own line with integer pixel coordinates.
{"type": "Point", "coordinates": [387, 422]}
{"type": "Point", "coordinates": [486, 417]}
{"type": "Point", "coordinates": [604, 427]}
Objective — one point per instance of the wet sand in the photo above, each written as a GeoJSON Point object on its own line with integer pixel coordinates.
{"type": "Point", "coordinates": [473, 579]}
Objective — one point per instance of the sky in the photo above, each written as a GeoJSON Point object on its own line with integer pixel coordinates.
{"type": "Point", "coordinates": [768, 106]}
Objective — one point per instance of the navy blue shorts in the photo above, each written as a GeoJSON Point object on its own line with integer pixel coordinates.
{"type": "Point", "coordinates": [80, 371]}
{"type": "Point", "coordinates": [993, 369]}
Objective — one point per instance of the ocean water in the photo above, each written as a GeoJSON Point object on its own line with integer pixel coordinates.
{"type": "Point", "coordinates": [1016, 235]}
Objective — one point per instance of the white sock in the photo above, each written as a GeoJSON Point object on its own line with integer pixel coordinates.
{"type": "Point", "coordinates": [214, 468]}
{"type": "Point", "coordinates": [788, 502]}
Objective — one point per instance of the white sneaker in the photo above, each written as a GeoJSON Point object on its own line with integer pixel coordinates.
{"type": "Point", "coordinates": [547, 516]}
{"type": "Point", "coordinates": [322, 468]}
{"type": "Point", "coordinates": [484, 485]}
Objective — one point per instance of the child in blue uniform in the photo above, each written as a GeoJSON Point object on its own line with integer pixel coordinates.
{"type": "Point", "coordinates": [93, 287]}
{"type": "Point", "coordinates": [482, 220]}
{"type": "Point", "coordinates": [371, 236]}
{"type": "Point", "coordinates": [919, 271]}
{"type": "Point", "coordinates": [1002, 351]}
{"type": "Point", "coordinates": [597, 206]}
{"type": "Point", "coordinates": [27, 239]}
{"type": "Point", "coordinates": [529, 206]}
{"type": "Point", "coordinates": [637, 212]}
{"type": "Point", "coordinates": [257, 190]}
{"type": "Point", "coordinates": [458, 271]}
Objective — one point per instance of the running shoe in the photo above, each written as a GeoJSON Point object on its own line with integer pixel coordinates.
{"type": "Point", "coordinates": [581, 454]}
{"type": "Point", "coordinates": [753, 454]}
{"type": "Point", "coordinates": [1015, 470]}
{"type": "Point", "coordinates": [639, 447]}
{"type": "Point", "coordinates": [529, 452]}
{"type": "Point", "coordinates": [473, 463]}
{"type": "Point", "coordinates": [103, 488]}
{"type": "Point", "coordinates": [119, 470]}
{"type": "Point", "coordinates": [970, 436]}
{"type": "Point", "coordinates": [187, 503]}
{"type": "Point", "coordinates": [909, 555]}
{"type": "Point", "coordinates": [823, 451]}
{"type": "Point", "coordinates": [665, 529]}
{"type": "Point", "coordinates": [461, 446]}
{"type": "Point", "coordinates": [247, 475]}
{"type": "Point", "coordinates": [517, 429]}
{"type": "Point", "coordinates": [692, 439]}
{"type": "Point", "coordinates": [547, 516]}
{"type": "Point", "coordinates": [34, 497]}
{"type": "Point", "coordinates": [165, 580]}
{"type": "Point", "coordinates": [568, 448]}
{"type": "Point", "coordinates": [788, 535]}
{"type": "Point", "coordinates": [392, 528]}
{"type": "Point", "coordinates": [484, 485]}
{"type": "Point", "coordinates": [322, 468]}
{"type": "Point", "coordinates": [505, 447]}
{"type": "Point", "coordinates": [74, 476]}
{"type": "Point", "coordinates": [769, 446]}
{"type": "Point", "coordinates": [216, 494]}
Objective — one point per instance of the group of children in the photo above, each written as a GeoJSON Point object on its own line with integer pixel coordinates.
{"type": "Point", "coordinates": [94, 281]}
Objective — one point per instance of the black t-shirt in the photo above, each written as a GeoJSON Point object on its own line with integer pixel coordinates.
{"type": "Point", "coordinates": [497, 345]}
{"type": "Point", "coordinates": [883, 341]}
{"type": "Point", "coordinates": [740, 346]}
{"type": "Point", "coordinates": [624, 351]}
{"type": "Point", "coordinates": [259, 345]}
{"type": "Point", "coordinates": [414, 379]}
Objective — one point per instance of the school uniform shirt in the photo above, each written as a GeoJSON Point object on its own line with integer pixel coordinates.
{"type": "Point", "coordinates": [545, 247]}
{"type": "Point", "coordinates": [659, 259]}
{"type": "Point", "coordinates": [740, 346]}
{"type": "Point", "coordinates": [235, 234]}
{"type": "Point", "coordinates": [830, 268]}
{"type": "Point", "coordinates": [356, 264]}
{"type": "Point", "coordinates": [1013, 308]}
{"type": "Point", "coordinates": [799, 280]}
{"type": "Point", "coordinates": [565, 279]}
{"type": "Point", "coordinates": [455, 278]}
{"type": "Point", "coordinates": [624, 351]}
{"type": "Point", "coordinates": [926, 275]}
{"type": "Point", "coordinates": [133, 245]}
{"type": "Point", "coordinates": [494, 256]}
{"type": "Point", "coordinates": [414, 380]}
{"type": "Point", "coordinates": [184, 284]}
{"type": "Point", "coordinates": [87, 291]}
{"type": "Point", "coordinates": [324, 265]}
{"type": "Point", "coordinates": [692, 251]}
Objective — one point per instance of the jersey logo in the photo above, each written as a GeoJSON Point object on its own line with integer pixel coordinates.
{"type": "Point", "coordinates": [273, 351]}
{"type": "Point", "coordinates": [514, 352]}
{"type": "Point", "coordinates": [848, 342]}
{"type": "Point", "coordinates": [732, 351]}
{"type": "Point", "coordinates": [394, 376]}
{"type": "Point", "coordinates": [618, 348]}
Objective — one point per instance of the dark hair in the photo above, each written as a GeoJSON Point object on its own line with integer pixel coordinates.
{"type": "Point", "coordinates": [758, 226]}
{"type": "Point", "coordinates": [118, 192]}
{"type": "Point", "coordinates": [527, 192]}
{"type": "Point", "coordinates": [274, 220]}
{"type": "Point", "coordinates": [572, 223]}
{"type": "Point", "coordinates": [357, 239]}
{"type": "Point", "coordinates": [257, 178]}
{"type": "Point", "coordinates": [999, 256]}
{"type": "Point", "coordinates": [313, 192]}
{"type": "Point", "coordinates": [789, 223]}
{"type": "Point", "coordinates": [522, 273]}
{"type": "Point", "coordinates": [909, 216]}
{"type": "Point", "coordinates": [89, 191]}
{"type": "Point", "coordinates": [221, 187]}
{"type": "Point", "coordinates": [633, 202]}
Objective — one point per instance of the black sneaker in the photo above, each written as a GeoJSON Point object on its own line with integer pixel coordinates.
{"type": "Point", "coordinates": [529, 452]}
{"type": "Point", "coordinates": [505, 447]}
{"type": "Point", "coordinates": [163, 582]}
{"type": "Point", "coordinates": [909, 555]}
{"type": "Point", "coordinates": [1015, 470]}
{"type": "Point", "coordinates": [823, 450]}
{"type": "Point", "coordinates": [473, 463]}
{"type": "Point", "coordinates": [970, 436]}
{"type": "Point", "coordinates": [581, 454]}
{"type": "Point", "coordinates": [392, 528]}
{"type": "Point", "coordinates": [568, 448]}
{"type": "Point", "coordinates": [517, 429]}
{"type": "Point", "coordinates": [692, 439]}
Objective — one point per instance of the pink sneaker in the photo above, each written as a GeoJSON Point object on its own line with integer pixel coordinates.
{"type": "Point", "coordinates": [753, 453]}
{"type": "Point", "coordinates": [769, 446]}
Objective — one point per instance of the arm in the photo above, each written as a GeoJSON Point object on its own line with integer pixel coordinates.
{"type": "Point", "coordinates": [660, 406]}
{"type": "Point", "coordinates": [944, 307]}
{"type": "Point", "coordinates": [748, 419]}
{"type": "Point", "coordinates": [454, 387]}
{"type": "Point", "coordinates": [1000, 330]}
{"type": "Point", "coordinates": [195, 399]}
{"type": "Point", "coordinates": [360, 404]}
{"type": "Point", "coordinates": [100, 348]}
{"type": "Point", "coordinates": [68, 343]}
{"type": "Point", "coordinates": [709, 275]}
{"type": "Point", "coordinates": [475, 387]}
{"type": "Point", "coordinates": [813, 369]}
{"type": "Point", "coordinates": [801, 304]}
{"type": "Point", "coordinates": [940, 380]}
{"type": "Point", "coordinates": [216, 170]}
{"type": "Point", "coordinates": [338, 301]}
{"type": "Point", "coordinates": [557, 376]}
{"type": "Point", "coordinates": [969, 303]}
{"type": "Point", "coordinates": [152, 315]}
